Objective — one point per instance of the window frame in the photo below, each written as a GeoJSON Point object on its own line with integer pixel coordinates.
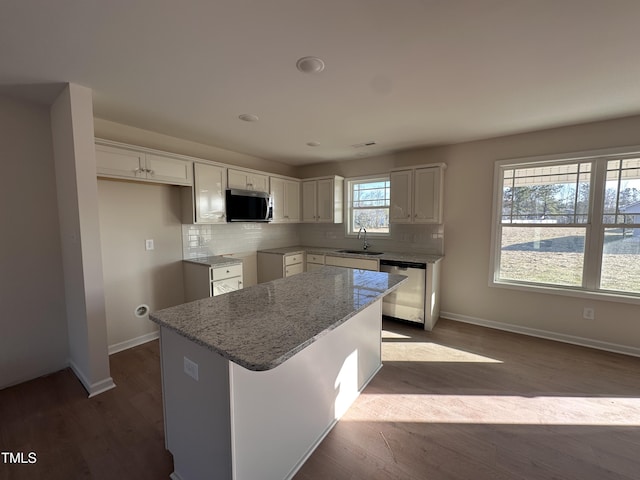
{"type": "Point", "coordinates": [348, 193]}
{"type": "Point", "coordinates": [595, 226]}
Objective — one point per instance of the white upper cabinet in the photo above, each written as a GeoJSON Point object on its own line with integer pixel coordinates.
{"type": "Point", "coordinates": [309, 194]}
{"type": "Point", "coordinates": [416, 195]}
{"type": "Point", "coordinates": [427, 194]}
{"type": "Point", "coordinates": [120, 162]}
{"type": "Point", "coordinates": [322, 200]}
{"type": "Point", "coordinates": [401, 197]}
{"type": "Point", "coordinates": [209, 192]}
{"type": "Point", "coordinates": [285, 195]}
{"type": "Point", "coordinates": [168, 170]}
{"type": "Point", "coordinates": [247, 180]}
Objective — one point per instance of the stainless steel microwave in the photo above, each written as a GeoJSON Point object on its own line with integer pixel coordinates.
{"type": "Point", "coordinates": [248, 206]}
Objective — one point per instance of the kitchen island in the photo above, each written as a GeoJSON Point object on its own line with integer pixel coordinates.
{"type": "Point", "coordinates": [253, 380]}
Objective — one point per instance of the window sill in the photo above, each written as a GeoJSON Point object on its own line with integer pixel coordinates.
{"type": "Point", "coordinates": [569, 292]}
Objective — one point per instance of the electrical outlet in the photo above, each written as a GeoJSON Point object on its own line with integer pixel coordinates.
{"type": "Point", "coordinates": [588, 313]}
{"type": "Point", "coordinates": [191, 368]}
{"type": "Point", "coordinates": [148, 244]}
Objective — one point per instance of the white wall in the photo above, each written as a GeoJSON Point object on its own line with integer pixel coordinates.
{"type": "Point", "coordinates": [468, 202]}
{"type": "Point", "coordinates": [468, 195]}
{"type": "Point", "coordinates": [130, 213]}
{"type": "Point", "coordinates": [33, 324]}
{"type": "Point", "coordinates": [77, 194]}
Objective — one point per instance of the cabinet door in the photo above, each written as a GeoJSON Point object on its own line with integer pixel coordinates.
{"type": "Point", "coordinates": [309, 193]}
{"type": "Point", "coordinates": [209, 190]}
{"type": "Point", "coordinates": [325, 201]}
{"type": "Point", "coordinates": [290, 270]}
{"type": "Point", "coordinates": [292, 201]}
{"type": "Point", "coordinates": [169, 170]}
{"type": "Point", "coordinates": [227, 285]}
{"type": "Point", "coordinates": [314, 266]}
{"type": "Point", "coordinates": [401, 195]}
{"type": "Point", "coordinates": [248, 181]}
{"type": "Point", "coordinates": [278, 199]}
{"type": "Point", "coordinates": [119, 162]}
{"type": "Point", "coordinates": [237, 179]}
{"type": "Point", "coordinates": [259, 183]}
{"type": "Point", "coordinates": [350, 262]}
{"type": "Point", "coordinates": [427, 204]}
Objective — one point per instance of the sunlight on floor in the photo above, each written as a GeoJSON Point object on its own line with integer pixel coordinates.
{"type": "Point", "coordinates": [428, 352]}
{"type": "Point", "coordinates": [497, 409]}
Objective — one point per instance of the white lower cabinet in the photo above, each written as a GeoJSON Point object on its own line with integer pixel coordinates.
{"type": "Point", "coordinates": [314, 261]}
{"type": "Point", "coordinates": [272, 266]}
{"type": "Point", "coordinates": [202, 280]}
{"type": "Point", "coordinates": [349, 262]}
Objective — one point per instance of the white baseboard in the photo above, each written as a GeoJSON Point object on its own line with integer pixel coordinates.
{"type": "Point", "coordinates": [92, 389]}
{"type": "Point", "coordinates": [134, 342]}
{"type": "Point", "coordinates": [534, 332]}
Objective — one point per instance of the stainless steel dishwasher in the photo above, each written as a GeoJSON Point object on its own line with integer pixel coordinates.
{"type": "Point", "coordinates": [407, 301]}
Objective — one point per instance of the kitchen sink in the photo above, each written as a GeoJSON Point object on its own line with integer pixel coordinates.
{"type": "Point", "coordinates": [360, 252]}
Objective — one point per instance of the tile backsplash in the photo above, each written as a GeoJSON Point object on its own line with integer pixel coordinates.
{"type": "Point", "coordinates": [224, 239]}
{"type": "Point", "coordinates": [404, 238]}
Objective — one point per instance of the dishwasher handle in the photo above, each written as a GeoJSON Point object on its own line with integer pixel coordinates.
{"type": "Point", "coordinates": [403, 265]}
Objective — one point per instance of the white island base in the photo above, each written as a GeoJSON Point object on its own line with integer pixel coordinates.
{"type": "Point", "coordinates": [233, 423]}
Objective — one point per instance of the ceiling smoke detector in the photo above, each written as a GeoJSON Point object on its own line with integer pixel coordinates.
{"type": "Point", "coordinates": [310, 65]}
{"type": "Point", "coordinates": [248, 117]}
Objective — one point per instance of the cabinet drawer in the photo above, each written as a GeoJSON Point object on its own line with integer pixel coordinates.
{"type": "Point", "coordinates": [293, 269]}
{"type": "Point", "coordinates": [220, 273]}
{"type": "Point", "coordinates": [293, 259]}
{"type": "Point", "coordinates": [349, 262]}
{"type": "Point", "coordinates": [225, 286]}
{"type": "Point", "coordinates": [314, 258]}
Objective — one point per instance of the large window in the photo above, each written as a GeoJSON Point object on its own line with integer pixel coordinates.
{"type": "Point", "coordinates": [368, 205]}
{"type": "Point", "coordinates": [569, 224]}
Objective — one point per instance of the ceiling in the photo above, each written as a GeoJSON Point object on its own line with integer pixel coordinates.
{"type": "Point", "coordinates": [403, 74]}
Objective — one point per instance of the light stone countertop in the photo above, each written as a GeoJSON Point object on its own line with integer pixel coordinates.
{"type": "Point", "coordinates": [398, 256]}
{"type": "Point", "coordinates": [214, 261]}
{"type": "Point", "coordinates": [262, 326]}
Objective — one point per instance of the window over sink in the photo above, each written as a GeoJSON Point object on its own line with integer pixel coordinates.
{"type": "Point", "coordinates": [368, 200]}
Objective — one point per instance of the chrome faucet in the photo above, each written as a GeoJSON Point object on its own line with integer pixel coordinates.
{"type": "Point", "coordinates": [365, 245]}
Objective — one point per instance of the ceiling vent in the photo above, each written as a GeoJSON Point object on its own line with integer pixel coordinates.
{"type": "Point", "coordinates": [365, 144]}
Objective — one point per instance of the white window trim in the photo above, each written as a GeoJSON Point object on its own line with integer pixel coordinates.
{"type": "Point", "coordinates": [348, 210]}
{"type": "Point", "coordinates": [594, 231]}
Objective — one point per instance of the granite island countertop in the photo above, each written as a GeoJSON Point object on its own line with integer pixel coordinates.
{"type": "Point", "coordinates": [388, 255]}
{"type": "Point", "coordinates": [214, 261]}
{"type": "Point", "coordinates": [262, 326]}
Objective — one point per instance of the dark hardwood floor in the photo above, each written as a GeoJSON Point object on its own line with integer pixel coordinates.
{"type": "Point", "coordinates": [466, 402]}
{"type": "Point", "coordinates": [461, 402]}
{"type": "Point", "coordinates": [116, 435]}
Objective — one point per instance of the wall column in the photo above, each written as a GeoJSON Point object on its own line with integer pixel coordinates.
{"type": "Point", "coordinates": [77, 192]}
